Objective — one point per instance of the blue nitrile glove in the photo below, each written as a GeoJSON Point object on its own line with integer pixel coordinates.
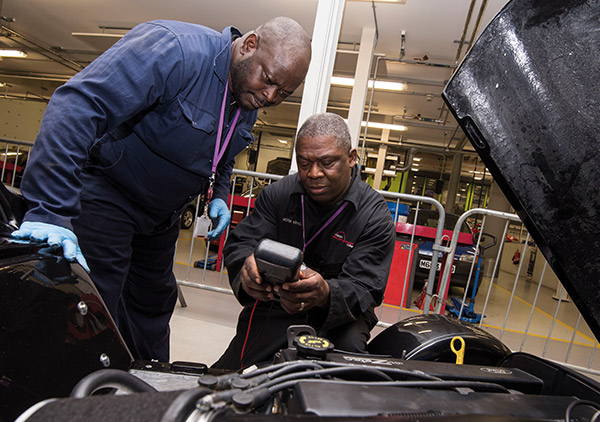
{"type": "Point", "coordinates": [53, 235]}
{"type": "Point", "coordinates": [217, 209]}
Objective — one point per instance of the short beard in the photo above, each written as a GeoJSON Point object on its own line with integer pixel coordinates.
{"type": "Point", "coordinates": [238, 75]}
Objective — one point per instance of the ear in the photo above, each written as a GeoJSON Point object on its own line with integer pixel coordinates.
{"type": "Point", "coordinates": [352, 157]}
{"type": "Point", "coordinates": [249, 43]}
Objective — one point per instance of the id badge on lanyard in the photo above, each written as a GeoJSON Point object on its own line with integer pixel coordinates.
{"type": "Point", "coordinates": [203, 225]}
{"type": "Point", "coordinates": [203, 222]}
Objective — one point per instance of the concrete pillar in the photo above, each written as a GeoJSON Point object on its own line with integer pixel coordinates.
{"type": "Point", "coordinates": [318, 79]}
{"type": "Point", "coordinates": [454, 182]}
{"type": "Point", "coordinates": [361, 81]}
{"type": "Point", "coordinates": [379, 167]}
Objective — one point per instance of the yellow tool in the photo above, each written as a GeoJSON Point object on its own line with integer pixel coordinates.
{"type": "Point", "coordinates": [460, 353]}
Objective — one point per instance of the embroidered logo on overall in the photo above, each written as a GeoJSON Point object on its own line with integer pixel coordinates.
{"type": "Point", "coordinates": [341, 236]}
{"type": "Point", "coordinates": [290, 221]}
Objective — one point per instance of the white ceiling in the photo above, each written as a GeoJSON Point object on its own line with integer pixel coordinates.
{"type": "Point", "coordinates": [433, 30]}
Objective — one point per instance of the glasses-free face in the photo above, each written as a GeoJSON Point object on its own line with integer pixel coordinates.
{"type": "Point", "coordinates": [259, 79]}
{"type": "Point", "coordinates": [324, 168]}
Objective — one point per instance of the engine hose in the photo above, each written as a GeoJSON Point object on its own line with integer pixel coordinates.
{"type": "Point", "coordinates": [184, 405]}
{"type": "Point", "coordinates": [110, 378]}
{"type": "Point", "coordinates": [296, 376]}
{"type": "Point", "coordinates": [298, 367]}
{"type": "Point", "coordinates": [392, 371]}
{"type": "Point", "coordinates": [292, 365]}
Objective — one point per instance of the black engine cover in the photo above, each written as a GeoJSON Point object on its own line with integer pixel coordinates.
{"type": "Point", "coordinates": [428, 337]}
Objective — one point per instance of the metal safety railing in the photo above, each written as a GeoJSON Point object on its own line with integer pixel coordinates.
{"type": "Point", "coordinates": [545, 341]}
{"type": "Point", "coordinates": [437, 246]}
{"type": "Point", "coordinates": [454, 242]}
{"type": "Point", "coordinates": [13, 158]}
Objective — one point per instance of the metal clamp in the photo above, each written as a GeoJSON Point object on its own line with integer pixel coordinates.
{"type": "Point", "coordinates": [441, 248]}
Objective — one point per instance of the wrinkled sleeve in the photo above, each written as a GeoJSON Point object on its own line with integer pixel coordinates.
{"type": "Point", "coordinates": [260, 224]}
{"type": "Point", "coordinates": [142, 69]}
{"type": "Point", "coordinates": [362, 281]}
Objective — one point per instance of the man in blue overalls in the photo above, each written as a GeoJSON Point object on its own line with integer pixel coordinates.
{"type": "Point", "coordinates": [128, 142]}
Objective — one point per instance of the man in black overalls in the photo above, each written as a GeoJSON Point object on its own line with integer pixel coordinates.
{"type": "Point", "coordinates": [346, 232]}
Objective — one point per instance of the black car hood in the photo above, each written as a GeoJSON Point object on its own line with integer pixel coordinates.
{"type": "Point", "coordinates": [527, 96]}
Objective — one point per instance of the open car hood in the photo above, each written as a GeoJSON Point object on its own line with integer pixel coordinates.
{"type": "Point", "coordinates": [527, 96]}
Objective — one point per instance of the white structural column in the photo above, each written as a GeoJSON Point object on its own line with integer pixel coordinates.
{"type": "Point", "coordinates": [454, 182]}
{"type": "Point", "coordinates": [385, 136]}
{"type": "Point", "coordinates": [318, 79]}
{"type": "Point", "coordinates": [495, 226]}
{"type": "Point", "coordinates": [368, 40]}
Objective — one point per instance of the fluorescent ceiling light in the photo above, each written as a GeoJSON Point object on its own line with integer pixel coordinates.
{"type": "Point", "coordinates": [416, 159]}
{"type": "Point", "coordinates": [388, 86]}
{"type": "Point", "coordinates": [384, 1]}
{"type": "Point", "coordinates": [99, 41]}
{"type": "Point", "coordinates": [380, 85]}
{"type": "Point", "coordinates": [12, 53]}
{"type": "Point", "coordinates": [283, 141]}
{"type": "Point", "coordinates": [376, 125]}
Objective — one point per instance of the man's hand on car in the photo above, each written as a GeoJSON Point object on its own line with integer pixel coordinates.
{"type": "Point", "coordinates": [54, 236]}
{"type": "Point", "coordinates": [309, 291]}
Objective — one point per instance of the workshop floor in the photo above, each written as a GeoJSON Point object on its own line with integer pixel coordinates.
{"type": "Point", "coordinates": [201, 331]}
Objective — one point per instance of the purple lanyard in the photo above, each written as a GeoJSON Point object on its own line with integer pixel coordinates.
{"type": "Point", "coordinates": [221, 148]}
{"type": "Point", "coordinates": [335, 214]}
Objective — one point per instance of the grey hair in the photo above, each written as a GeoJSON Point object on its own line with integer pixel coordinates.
{"type": "Point", "coordinates": [326, 124]}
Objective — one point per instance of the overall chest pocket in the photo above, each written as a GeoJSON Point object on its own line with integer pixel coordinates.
{"type": "Point", "coordinates": [197, 117]}
{"type": "Point", "coordinates": [331, 270]}
{"type": "Point", "coordinates": [180, 134]}
{"type": "Point", "coordinates": [331, 259]}
{"type": "Point", "coordinates": [203, 134]}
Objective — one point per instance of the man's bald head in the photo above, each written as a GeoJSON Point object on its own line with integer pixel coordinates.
{"type": "Point", "coordinates": [285, 38]}
{"type": "Point", "coordinates": [269, 63]}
